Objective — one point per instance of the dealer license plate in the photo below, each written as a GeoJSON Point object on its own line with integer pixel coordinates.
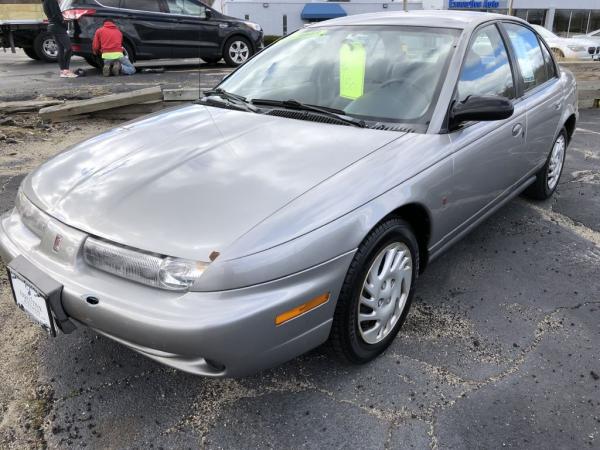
{"type": "Point", "coordinates": [32, 301]}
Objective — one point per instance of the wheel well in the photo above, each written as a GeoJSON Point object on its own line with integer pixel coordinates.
{"type": "Point", "coordinates": [128, 42]}
{"type": "Point", "coordinates": [570, 126]}
{"type": "Point", "coordinates": [418, 218]}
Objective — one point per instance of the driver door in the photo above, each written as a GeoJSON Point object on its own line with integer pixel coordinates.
{"type": "Point", "coordinates": [488, 156]}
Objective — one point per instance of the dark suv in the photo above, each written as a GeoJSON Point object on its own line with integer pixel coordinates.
{"type": "Point", "coordinates": [154, 29]}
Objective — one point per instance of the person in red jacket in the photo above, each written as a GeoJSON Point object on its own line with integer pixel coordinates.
{"type": "Point", "coordinates": [108, 43]}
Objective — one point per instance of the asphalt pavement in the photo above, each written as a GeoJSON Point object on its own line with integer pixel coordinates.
{"type": "Point", "coordinates": [499, 350]}
{"type": "Point", "coordinates": [42, 78]}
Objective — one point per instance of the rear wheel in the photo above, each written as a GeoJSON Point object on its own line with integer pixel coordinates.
{"type": "Point", "coordinates": [377, 292]}
{"type": "Point", "coordinates": [29, 51]}
{"type": "Point", "coordinates": [129, 52]}
{"type": "Point", "coordinates": [547, 178]}
{"type": "Point", "coordinates": [45, 47]}
{"type": "Point", "coordinates": [237, 50]}
{"type": "Point", "coordinates": [94, 61]}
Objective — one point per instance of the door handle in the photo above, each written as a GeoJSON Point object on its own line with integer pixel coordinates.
{"type": "Point", "coordinates": [517, 130]}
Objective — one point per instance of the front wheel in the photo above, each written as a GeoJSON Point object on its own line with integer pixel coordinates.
{"type": "Point", "coordinates": [547, 178]}
{"type": "Point", "coordinates": [45, 47]}
{"type": "Point", "coordinates": [377, 292]}
{"type": "Point", "coordinates": [237, 51]}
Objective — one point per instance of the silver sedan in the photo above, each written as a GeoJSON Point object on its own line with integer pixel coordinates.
{"type": "Point", "coordinates": [299, 200]}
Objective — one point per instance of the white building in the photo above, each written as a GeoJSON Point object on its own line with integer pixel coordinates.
{"type": "Point", "coordinates": [281, 17]}
{"type": "Point", "coordinates": [564, 17]}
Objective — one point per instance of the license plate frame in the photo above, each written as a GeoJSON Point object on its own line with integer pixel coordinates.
{"type": "Point", "coordinates": [34, 299]}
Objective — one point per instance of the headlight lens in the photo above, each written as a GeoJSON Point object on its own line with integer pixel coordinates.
{"type": "Point", "coordinates": [576, 48]}
{"type": "Point", "coordinates": [175, 274]}
{"type": "Point", "coordinates": [31, 216]}
{"type": "Point", "coordinates": [254, 26]}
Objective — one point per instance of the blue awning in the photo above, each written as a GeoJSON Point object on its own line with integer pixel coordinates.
{"type": "Point", "coordinates": [322, 11]}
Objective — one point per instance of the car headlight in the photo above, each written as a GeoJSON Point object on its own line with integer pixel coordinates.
{"type": "Point", "coordinates": [254, 26]}
{"type": "Point", "coordinates": [154, 270]}
{"type": "Point", "coordinates": [576, 48]}
{"type": "Point", "coordinates": [31, 216]}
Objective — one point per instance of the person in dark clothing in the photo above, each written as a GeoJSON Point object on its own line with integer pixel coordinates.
{"type": "Point", "coordinates": [58, 27]}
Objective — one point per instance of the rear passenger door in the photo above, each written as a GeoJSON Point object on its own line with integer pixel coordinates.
{"type": "Point", "coordinates": [488, 156]}
{"type": "Point", "coordinates": [150, 26]}
{"type": "Point", "coordinates": [542, 91]}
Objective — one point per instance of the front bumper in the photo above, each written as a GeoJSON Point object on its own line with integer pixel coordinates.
{"type": "Point", "coordinates": [228, 333]}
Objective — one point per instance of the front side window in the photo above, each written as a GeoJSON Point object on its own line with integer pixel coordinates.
{"type": "Point", "coordinates": [379, 73]}
{"type": "Point", "coordinates": [486, 69]}
{"type": "Point", "coordinates": [529, 55]}
{"type": "Point", "coordinates": [186, 7]}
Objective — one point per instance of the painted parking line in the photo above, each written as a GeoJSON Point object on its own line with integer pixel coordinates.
{"type": "Point", "coordinates": [583, 130]}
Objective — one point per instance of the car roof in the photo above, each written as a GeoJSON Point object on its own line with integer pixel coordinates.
{"type": "Point", "coordinates": [432, 18]}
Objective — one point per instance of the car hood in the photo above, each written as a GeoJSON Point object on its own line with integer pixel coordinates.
{"type": "Point", "coordinates": [191, 180]}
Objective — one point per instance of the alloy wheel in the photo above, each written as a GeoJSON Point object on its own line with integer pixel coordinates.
{"type": "Point", "coordinates": [556, 162]}
{"type": "Point", "coordinates": [50, 48]}
{"type": "Point", "coordinates": [239, 52]}
{"type": "Point", "coordinates": [384, 292]}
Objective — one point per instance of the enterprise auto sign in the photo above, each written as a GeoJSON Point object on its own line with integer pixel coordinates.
{"type": "Point", "coordinates": [474, 4]}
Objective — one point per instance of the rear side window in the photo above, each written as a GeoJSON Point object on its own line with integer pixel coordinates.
{"type": "Point", "coordinates": [486, 70]}
{"type": "Point", "coordinates": [529, 55]}
{"type": "Point", "coordinates": [141, 5]}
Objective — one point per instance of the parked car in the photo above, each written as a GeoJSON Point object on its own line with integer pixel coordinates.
{"type": "Point", "coordinates": [294, 203]}
{"type": "Point", "coordinates": [154, 29]}
{"type": "Point", "coordinates": [592, 36]}
{"type": "Point", "coordinates": [569, 48]}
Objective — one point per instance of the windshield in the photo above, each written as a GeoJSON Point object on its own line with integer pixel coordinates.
{"type": "Point", "coordinates": [378, 73]}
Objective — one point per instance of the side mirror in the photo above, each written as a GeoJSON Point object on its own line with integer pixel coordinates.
{"type": "Point", "coordinates": [207, 14]}
{"type": "Point", "coordinates": [480, 108]}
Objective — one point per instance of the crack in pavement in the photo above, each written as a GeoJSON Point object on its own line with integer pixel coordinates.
{"type": "Point", "coordinates": [565, 222]}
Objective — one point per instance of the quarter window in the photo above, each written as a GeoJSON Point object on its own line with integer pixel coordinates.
{"type": "Point", "coordinates": [529, 55]}
{"type": "Point", "coordinates": [550, 68]}
{"type": "Point", "coordinates": [486, 70]}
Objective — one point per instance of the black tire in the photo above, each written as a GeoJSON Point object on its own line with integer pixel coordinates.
{"type": "Point", "coordinates": [43, 45]}
{"type": "Point", "coordinates": [228, 48]}
{"type": "Point", "coordinates": [29, 51]}
{"type": "Point", "coordinates": [94, 61]}
{"type": "Point", "coordinates": [345, 337]}
{"type": "Point", "coordinates": [540, 190]}
{"type": "Point", "coordinates": [210, 60]}
{"type": "Point", "coordinates": [129, 51]}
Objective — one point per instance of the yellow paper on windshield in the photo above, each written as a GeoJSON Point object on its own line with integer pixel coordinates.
{"type": "Point", "coordinates": [352, 70]}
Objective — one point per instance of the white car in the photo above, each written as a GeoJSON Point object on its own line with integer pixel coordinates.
{"type": "Point", "coordinates": [592, 36]}
{"type": "Point", "coordinates": [569, 48]}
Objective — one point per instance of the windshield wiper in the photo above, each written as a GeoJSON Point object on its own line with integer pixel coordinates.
{"type": "Point", "coordinates": [233, 99]}
{"type": "Point", "coordinates": [295, 104]}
